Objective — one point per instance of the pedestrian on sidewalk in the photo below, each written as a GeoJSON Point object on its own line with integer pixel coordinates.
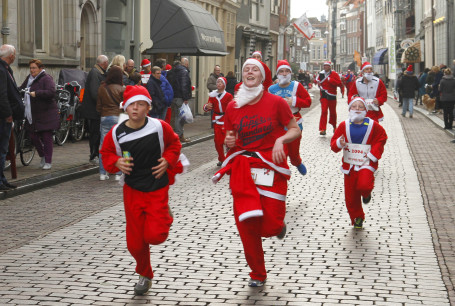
{"type": "Point", "coordinates": [41, 111]}
{"type": "Point", "coordinates": [435, 93]}
{"type": "Point", "coordinates": [159, 107]}
{"type": "Point", "coordinates": [328, 81]}
{"type": "Point", "coordinates": [372, 89]}
{"type": "Point", "coordinates": [110, 95]}
{"type": "Point", "coordinates": [231, 82]}
{"type": "Point", "coordinates": [362, 141]}
{"type": "Point", "coordinates": [422, 82]}
{"type": "Point", "coordinates": [447, 90]}
{"type": "Point", "coordinates": [255, 127]}
{"type": "Point", "coordinates": [165, 87]}
{"type": "Point", "coordinates": [409, 84]}
{"type": "Point", "coordinates": [297, 98]}
{"type": "Point", "coordinates": [151, 159]}
{"type": "Point", "coordinates": [218, 102]}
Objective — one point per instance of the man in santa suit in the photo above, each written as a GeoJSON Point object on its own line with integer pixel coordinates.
{"type": "Point", "coordinates": [146, 71]}
{"type": "Point", "coordinates": [297, 97]}
{"type": "Point", "coordinates": [218, 102]}
{"type": "Point", "coordinates": [147, 151]}
{"type": "Point", "coordinates": [372, 89]}
{"type": "Point", "coordinates": [362, 141]}
{"type": "Point", "coordinates": [255, 125]}
{"type": "Point", "coordinates": [328, 81]}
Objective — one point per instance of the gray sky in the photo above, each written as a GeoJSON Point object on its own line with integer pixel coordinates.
{"type": "Point", "coordinates": [313, 8]}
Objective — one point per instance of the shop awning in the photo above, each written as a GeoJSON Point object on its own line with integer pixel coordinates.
{"type": "Point", "coordinates": [179, 26]}
{"type": "Point", "coordinates": [412, 54]}
{"type": "Point", "coordinates": [379, 57]}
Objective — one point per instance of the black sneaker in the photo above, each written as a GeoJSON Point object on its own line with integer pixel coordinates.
{"type": "Point", "coordinates": [282, 233]}
{"type": "Point", "coordinates": [255, 283]}
{"type": "Point", "coordinates": [219, 164]}
{"type": "Point", "coordinates": [358, 223]}
{"type": "Point", "coordinates": [143, 285]}
{"type": "Point", "coordinates": [367, 199]}
{"type": "Point", "coordinates": [323, 132]}
{"type": "Point", "coordinates": [10, 186]}
{"type": "Point", "coordinates": [4, 188]}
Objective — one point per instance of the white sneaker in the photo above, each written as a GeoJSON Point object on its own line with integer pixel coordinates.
{"type": "Point", "coordinates": [95, 160]}
{"type": "Point", "coordinates": [104, 177]}
{"type": "Point", "coordinates": [118, 177]}
{"type": "Point", "coordinates": [47, 166]}
{"type": "Point", "coordinates": [42, 162]}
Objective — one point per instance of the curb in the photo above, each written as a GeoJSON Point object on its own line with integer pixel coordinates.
{"type": "Point", "coordinates": [433, 118]}
{"type": "Point", "coordinates": [57, 177]}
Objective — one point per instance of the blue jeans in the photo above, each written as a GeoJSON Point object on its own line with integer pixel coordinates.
{"type": "Point", "coordinates": [408, 103]}
{"type": "Point", "coordinates": [5, 133]}
{"type": "Point", "coordinates": [106, 125]}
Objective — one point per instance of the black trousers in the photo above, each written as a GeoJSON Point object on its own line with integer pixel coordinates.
{"type": "Point", "coordinates": [94, 137]}
{"type": "Point", "coordinates": [448, 113]}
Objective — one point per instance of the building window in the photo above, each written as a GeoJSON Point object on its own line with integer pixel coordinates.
{"type": "Point", "coordinates": [116, 26]}
{"type": "Point", "coordinates": [39, 24]}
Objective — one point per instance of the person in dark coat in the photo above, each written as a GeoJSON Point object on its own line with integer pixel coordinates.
{"type": "Point", "coordinates": [165, 87]}
{"type": "Point", "coordinates": [41, 111]}
{"type": "Point", "coordinates": [159, 107]}
{"type": "Point", "coordinates": [435, 94]}
{"type": "Point", "coordinates": [422, 81]}
{"type": "Point", "coordinates": [88, 108]}
{"type": "Point", "coordinates": [231, 82]}
{"type": "Point", "coordinates": [11, 107]}
{"type": "Point", "coordinates": [447, 90]}
{"type": "Point", "coordinates": [408, 86]}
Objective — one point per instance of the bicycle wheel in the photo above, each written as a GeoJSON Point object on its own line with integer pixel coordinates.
{"type": "Point", "coordinates": [78, 129]}
{"type": "Point", "coordinates": [26, 149]}
{"type": "Point", "coordinates": [61, 135]}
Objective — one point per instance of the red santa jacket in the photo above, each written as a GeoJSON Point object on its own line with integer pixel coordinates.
{"type": "Point", "coordinates": [220, 104]}
{"type": "Point", "coordinates": [374, 136]}
{"type": "Point", "coordinates": [169, 146]}
{"type": "Point", "coordinates": [300, 98]}
{"type": "Point", "coordinates": [329, 84]}
{"type": "Point", "coordinates": [373, 89]}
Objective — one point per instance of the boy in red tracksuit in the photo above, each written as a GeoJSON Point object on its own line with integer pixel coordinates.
{"type": "Point", "coordinates": [362, 141]}
{"type": "Point", "coordinates": [218, 102]}
{"type": "Point", "coordinates": [297, 97]}
{"type": "Point", "coordinates": [328, 81]}
{"type": "Point", "coordinates": [151, 158]}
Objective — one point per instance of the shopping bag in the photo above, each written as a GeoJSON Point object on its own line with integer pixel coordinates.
{"type": "Point", "coordinates": [185, 113]}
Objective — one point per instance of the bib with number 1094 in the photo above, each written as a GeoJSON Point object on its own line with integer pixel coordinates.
{"type": "Point", "coordinates": [356, 154]}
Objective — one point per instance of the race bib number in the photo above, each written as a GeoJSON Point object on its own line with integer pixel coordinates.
{"type": "Point", "coordinates": [371, 105]}
{"type": "Point", "coordinates": [263, 177]}
{"type": "Point", "coordinates": [356, 154]}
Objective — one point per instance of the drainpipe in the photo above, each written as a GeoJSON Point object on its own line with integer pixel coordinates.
{"type": "Point", "coordinates": [5, 29]}
{"type": "Point", "coordinates": [432, 31]}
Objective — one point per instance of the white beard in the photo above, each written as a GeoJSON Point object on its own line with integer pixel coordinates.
{"type": "Point", "coordinates": [368, 76]}
{"type": "Point", "coordinates": [247, 94]}
{"type": "Point", "coordinates": [355, 116]}
{"type": "Point", "coordinates": [284, 79]}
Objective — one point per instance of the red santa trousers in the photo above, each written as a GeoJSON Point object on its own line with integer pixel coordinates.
{"type": "Point", "coordinates": [357, 184]}
{"type": "Point", "coordinates": [252, 230]}
{"type": "Point", "coordinates": [294, 152]}
{"type": "Point", "coordinates": [168, 115]}
{"type": "Point", "coordinates": [147, 222]}
{"type": "Point", "coordinates": [328, 105]}
{"type": "Point", "coordinates": [220, 134]}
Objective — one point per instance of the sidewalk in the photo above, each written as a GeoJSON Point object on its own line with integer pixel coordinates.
{"type": "Point", "coordinates": [70, 161]}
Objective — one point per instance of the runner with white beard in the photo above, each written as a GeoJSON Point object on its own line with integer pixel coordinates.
{"type": "Point", "coordinates": [257, 163]}
{"type": "Point", "coordinates": [297, 97]}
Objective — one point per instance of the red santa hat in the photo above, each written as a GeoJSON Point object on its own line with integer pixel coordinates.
{"type": "Point", "coordinates": [410, 68]}
{"type": "Point", "coordinates": [135, 93]}
{"type": "Point", "coordinates": [357, 99]}
{"type": "Point", "coordinates": [327, 63]}
{"type": "Point", "coordinates": [283, 64]}
{"type": "Point", "coordinates": [168, 67]}
{"type": "Point", "coordinates": [257, 53]}
{"type": "Point", "coordinates": [223, 79]}
{"type": "Point", "coordinates": [145, 62]}
{"type": "Point", "coordinates": [366, 65]}
{"type": "Point", "coordinates": [265, 71]}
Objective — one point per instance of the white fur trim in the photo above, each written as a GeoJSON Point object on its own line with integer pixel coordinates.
{"type": "Point", "coordinates": [216, 178]}
{"type": "Point", "coordinates": [136, 98]}
{"type": "Point", "coordinates": [273, 195]}
{"type": "Point", "coordinates": [250, 214]}
{"type": "Point", "coordinates": [372, 157]}
{"type": "Point", "coordinates": [213, 93]}
{"type": "Point", "coordinates": [146, 65]}
{"type": "Point", "coordinates": [367, 66]}
{"type": "Point", "coordinates": [283, 67]}
{"type": "Point", "coordinates": [257, 53]}
{"type": "Point", "coordinates": [257, 63]}
{"type": "Point", "coordinates": [339, 143]}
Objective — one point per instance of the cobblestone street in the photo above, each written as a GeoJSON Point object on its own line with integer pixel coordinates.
{"type": "Point", "coordinates": [77, 253]}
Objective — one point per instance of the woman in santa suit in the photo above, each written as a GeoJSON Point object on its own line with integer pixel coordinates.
{"type": "Point", "coordinates": [257, 163]}
{"type": "Point", "coordinates": [218, 102]}
{"type": "Point", "coordinates": [362, 141]}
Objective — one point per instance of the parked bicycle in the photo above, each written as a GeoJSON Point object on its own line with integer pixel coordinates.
{"type": "Point", "coordinates": [68, 103]}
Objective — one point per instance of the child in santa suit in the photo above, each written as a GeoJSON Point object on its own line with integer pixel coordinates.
{"type": "Point", "coordinates": [255, 127]}
{"type": "Point", "coordinates": [362, 141]}
{"type": "Point", "coordinates": [218, 102]}
{"type": "Point", "coordinates": [151, 159]}
{"type": "Point", "coordinates": [297, 97]}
